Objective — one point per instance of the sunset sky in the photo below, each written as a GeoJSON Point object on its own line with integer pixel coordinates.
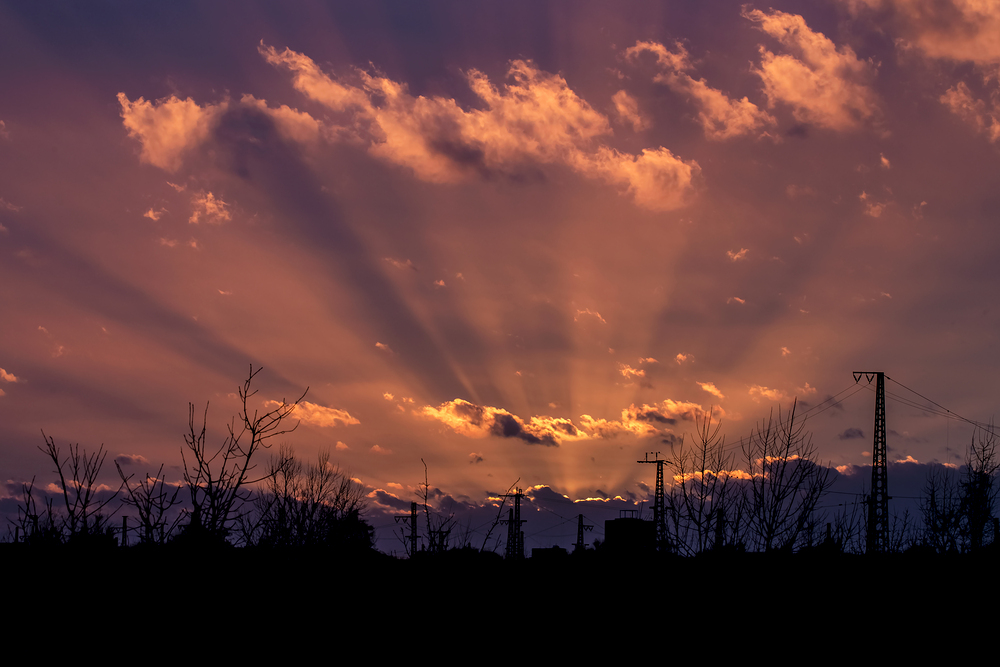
{"type": "Point", "coordinates": [520, 240]}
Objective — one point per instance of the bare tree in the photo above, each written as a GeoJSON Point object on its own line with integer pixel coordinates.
{"type": "Point", "coordinates": [439, 527]}
{"type": "Point", "coordinates": [315, 504]}
{"type": "Point", "coordinates": [700, 501]}
{"type": "Point", "coordinates": [34, 526]}
{"type": "Point", "coordinates": [153, 502]}
{"type": "Point", "coordinates": [82, 518]}
{"type": "Point", "coordinates": [940, 509]}
{"type": "Point", "coordinates": [218, 479]}
{"type": "Point", "coordinates": [785, 485]}
{"type": "Point", "coordinates": [978, 487]}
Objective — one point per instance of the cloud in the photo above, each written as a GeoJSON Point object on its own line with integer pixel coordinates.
{"type": "Point", "coordinates": [682, 358]}
{"type": "Point", "coordinates": [381, 450]}
{"type": "Point", "coordinates": [439, 283]}
{"type": "Point", "coordinates": [785, 352]}
{"type": "Point", "coordinates": [4, 134]}
{"type": "Point", "coordinates": [884, 161]}
{"type": "Point", "coordinates": [646, 420]}
{"type": "Point", "coordinates": [384, 347]}
{"type": "Point", "coordinates": [648, 360]}
{"type": "Point", "coordinates": [318, 415]}
{"type": "Point", "coordinates": [806, 390]}
{"type": "Point", "coordinates": [873, 209]}
{"type": "Point", "coordinates": [656, 178]}
{"type": "Point", "coordinates": [8, 377]}
{"type": "Point", "coordinates": [592, 313]}
{"type": "Point", "coordinates": [627, 109]}
{"type": "Point", "coordinates": [630, 373]}
{"type": "Point", "coordinates": [823, 84]}
{"type": "Point", "coordinates": [208, 207]}
{"type": "Point", "coordinates": [712, 389]}
{"type": "Point", "coordinates": [982, 117]}
{"type": "Point", "coordinates": [851, 434]}
{"type": "Point", "coordinates": [154, 215]}
{"type": "Point", "coordinates": [400, 264]}
{"type": "Point", "coordinates": [168, 128]}
{"type": "Point", "coordinates": [720, 116]}
{"type": "Point", "coordinates": [477, 421]}
{"type": "Point", "coordinates": [960, 30]}
{"type": "Point", "coordinates": [389, 500]}
{"type": "Point", "coordinates": [10, 207]}
{"type": "Point", "coordinates": [535, 119]}
{"type": "Point", "coordinates": [797, 191]}
{"type": "Point", "coordinates": [130, 459]}
{"type": "Point", "coordinates": [475, 458]}
{"type": "Point", "coordinates": [758, 392]}
{"type": "Point", "coordinates": [341, 446]}
{"type": "Point", "coordinates": [736, 299]}
{"type": "Point", "coordinates": [737, 256]}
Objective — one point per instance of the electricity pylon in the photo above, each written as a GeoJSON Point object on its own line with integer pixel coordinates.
{"type": "Point", "coordinates": [878, 500]}
{"type": "Point", "coordinates": [515, 536]}
{"type": "Point", "coordinates": [659, 506]}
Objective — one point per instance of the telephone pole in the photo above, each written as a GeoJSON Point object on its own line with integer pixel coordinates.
{"type": "Point", "coordinates": [878, 500]}
{"type": "Point", "coordinates": [659, 506]}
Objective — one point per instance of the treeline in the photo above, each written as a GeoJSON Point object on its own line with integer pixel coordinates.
{"type": "Point", "coordinates": [767, 494]}
{"type": "Point", "coordinates": [222, 500]}
{"type": "Point", "coordinates": [764, 495]}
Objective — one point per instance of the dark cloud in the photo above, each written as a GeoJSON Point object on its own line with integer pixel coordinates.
{"type": "Point", "coordinates": [851, 434]}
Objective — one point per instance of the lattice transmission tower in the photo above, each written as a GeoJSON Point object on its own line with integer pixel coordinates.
{"type": "Point", "coordinates": [659, 506]}
{"type": "Point", "coordinates": [878, 499]}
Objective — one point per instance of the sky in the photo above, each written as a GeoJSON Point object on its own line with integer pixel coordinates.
{"type": "Point", "coordinates": [519, 241]}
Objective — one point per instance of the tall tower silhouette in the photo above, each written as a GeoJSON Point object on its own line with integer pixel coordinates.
{"type": "Point", "coordinates": [515, 537]}
{"type": "Point", "coordinates": [659, 506]}
{"type": "Point", "coordinates": [878, 500]}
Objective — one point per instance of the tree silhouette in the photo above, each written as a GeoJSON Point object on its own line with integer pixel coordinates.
{"type": "Point", "coordinates": [701, 499]}
{"type": "Point", "coordinates": [784, 485]}
{"type": "Point", "coordinates": [81, 520]}
{"type": "Point", "coordinates": [978, 487]}
{"type": "Point", "coordinates": [307, 505]}
{"type": "Point", "coordinates": [153, 502]}
{"type": "Point", "coordinates": [218, 479]}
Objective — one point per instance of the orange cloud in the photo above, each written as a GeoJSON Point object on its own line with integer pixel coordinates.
{"type": "Point", "coordinates": [627, 109]}
{"type": "Point", "coordinates": [712, 389]}
{"type": "Point", "coordinates": [536, 118]}
{"type": "Point", "coordinates": [169, 128]}
{"type": "Point", "coordinates": [961, 30]}
{"type": "Point", "coordinates": [318, 415]}
{"type": "Point", "coordinates": [823, 84]}
{"type": "Point", "coordinates": [646, 420]}
{"type": "Point", "coordinates": [629, 373]}
{"type": "Point", "coordinates": [477, 421]}
{"type": "Point", "coordinates": [209, 208]}
{"type": "Point", "coordinates": [720, 116]}
{"type": "Point", "coordinates": [592, 313]}
{"type": "Point", "coordinates": [982, 117]}
{"type": "Point", "coordinates": [758, 392]}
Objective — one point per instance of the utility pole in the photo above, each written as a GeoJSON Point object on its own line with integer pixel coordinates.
{"type": "Point", "coordinates": [412, 517]}
{"type": "Point", "coordinates": [878, 500]}
{"type": "Point", "coordinates": [580, 527]}
{"type": "Point", "coordinates": [515, 536]}
{"type": "Point", "coordinates": [659, 506]}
